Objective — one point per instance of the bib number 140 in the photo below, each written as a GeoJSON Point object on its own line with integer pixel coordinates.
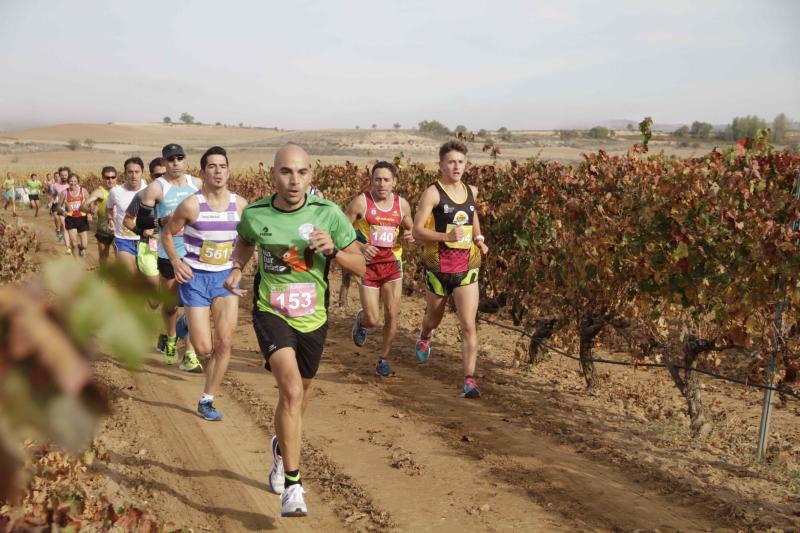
{"type": "Point", "coordinates": [294, 299]}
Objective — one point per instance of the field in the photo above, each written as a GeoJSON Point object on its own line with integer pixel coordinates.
{"type": "Point", "coordinates": [539, 452]}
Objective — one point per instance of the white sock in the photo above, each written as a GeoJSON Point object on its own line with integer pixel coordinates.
{"type": "Point", "coordinates": [206, 398]}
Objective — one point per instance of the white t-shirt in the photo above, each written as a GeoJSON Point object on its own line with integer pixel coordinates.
{"type": "Point", "coordinates": [118, 200]}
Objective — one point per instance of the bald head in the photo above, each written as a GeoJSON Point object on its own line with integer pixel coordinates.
{"type": "Point", "coordinates": [291, 176]}
{"type": "Point", "coordinates": [290, 153]}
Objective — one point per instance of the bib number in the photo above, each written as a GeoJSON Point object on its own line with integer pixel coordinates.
{"type": "Point", "coordinates": [216, 253]}
{"type": "Point", "coordinates": [382, 236]}
{"type": "Point", "coordinates": [153, 244]}
{"type": "Point", "coordinates": [294, 299]}
{"type": "Point", "coordinates": [466, 240]}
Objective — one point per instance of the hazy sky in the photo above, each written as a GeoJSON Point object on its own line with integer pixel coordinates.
{"type": "Point", "coordinates": [304, 64]}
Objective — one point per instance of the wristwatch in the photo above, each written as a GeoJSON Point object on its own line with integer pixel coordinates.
{"type": "Point", "coordinates": [332, 254]}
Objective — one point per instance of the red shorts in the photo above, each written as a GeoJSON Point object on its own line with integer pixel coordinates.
{"type": "Point", "coordinates": [378, 274]}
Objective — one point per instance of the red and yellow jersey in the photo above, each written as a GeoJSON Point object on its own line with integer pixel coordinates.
{"type": "Point", "coordinates": [451, 257]}
{"type": "Point", "coordinates": [381, 228]}
{"type": "Point", "coordinates": [74, 204]}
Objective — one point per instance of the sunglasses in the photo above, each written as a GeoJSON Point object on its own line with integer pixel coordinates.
{"type": "Point", "coordinates": [171, 159]}
{"type": "Point", "coordinates": [110, 177]}
{"type": "Point", "coordinates": [160, 175]}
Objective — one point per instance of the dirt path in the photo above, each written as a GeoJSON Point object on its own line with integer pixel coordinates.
{"type": "Point", "coordinates": [403, 454]}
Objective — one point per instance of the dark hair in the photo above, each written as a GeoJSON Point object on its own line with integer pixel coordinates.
{"type": "Point", "coordinates": [157, 162]}
{"type": "Point", "coordinates": [108, 169]}
{"type": "Point", "coordinates": [135, 160]}
{"type": "Point", "coordinates": [384, 164]}
{"type": "Point", "coordinates": [34, 175]}
{"type": "Point", "coordinates": [69, 170]}
{"type": "Point", "coordinates": [214, 150]}
{"type": "Point", "coordinates": [73, 175]}
{"type": "Point", "coordinates": [452, 146]}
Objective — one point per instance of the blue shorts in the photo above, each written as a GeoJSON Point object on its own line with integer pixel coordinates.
{"type": "Point", "coordinates": [203, 288]}
{"type": "Point", "coordinates": [126, 245]}
{"type": "Point", "coordinates": [8, 195]}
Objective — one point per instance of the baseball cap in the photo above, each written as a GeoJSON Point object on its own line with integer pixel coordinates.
{"type": "Point", "coordinates": [171, 150]}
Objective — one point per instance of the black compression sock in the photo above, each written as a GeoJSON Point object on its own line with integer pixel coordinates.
{"type": "Point", "coordinates": [292, 478]}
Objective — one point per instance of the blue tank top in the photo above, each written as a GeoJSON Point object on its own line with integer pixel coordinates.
{"type": "Point", "coordinates": [173, 196]}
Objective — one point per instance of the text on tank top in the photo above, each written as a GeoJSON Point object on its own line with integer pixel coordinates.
{"type": "Point", "coordinates": [74, 202]}
{"type": "Point", "coordinates": [383, 228]}
{"type": "Point", "coordinates": [451, 257]}
{"type": "Point", "coordinates": [210, 239]}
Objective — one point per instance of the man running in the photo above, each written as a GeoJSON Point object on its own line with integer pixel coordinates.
{"type": "Point", "coordinates": [447, 223]}
{"type": "Point", "coordinates": [34, 186]}
{"type": "Point", "coordinates": [157, 203]}
{"type": "Point", "coordinates": [59, 185]}
{"type": "Point", "coordinates": [76, 221]}
{"type": "Point", "coordinates": [97, 203]}
{"type": "Point", "coordinates": [10, 194]}
{"type": "Point", "coordinates": [125, 241]}
{"type": "Point", "coordinates": [207, 219]}
{"type": "Point", "coordinates": [297, 236]}
{"type": "Point", "coordinates": [378, 215]}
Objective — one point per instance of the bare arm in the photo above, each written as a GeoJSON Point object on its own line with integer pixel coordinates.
{"type": "Point", "coordinates": [352, 260]}
{"type": "Point", "coordinates": [355, 210]}
{"type": "Point", "coordinates": [242, 253]}
{"type": "Point", "coordinates": [408, 221]}
{"type": "Point", "coordinates": [429, 200]}
{"type": "Point", "coordinates": [186, 213]}
{"type": "Point", "coordinates": [90, 204]}
{"type": "Point", "coordinates": [477, 235]}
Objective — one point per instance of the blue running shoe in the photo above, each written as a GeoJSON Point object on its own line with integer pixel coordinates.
{"type": "Point", "coordinates": [383, 370]}
{"type": "Point", "coordinates": [206, 410]}
{"type": "Point", "coordinates": [182, 327]}
{"type": "Point", "coordinates": [470, 389]}
{"type": "Point", "coordinates": [423, 349]}
{"type": "Point", "coordinates": [359, 331]}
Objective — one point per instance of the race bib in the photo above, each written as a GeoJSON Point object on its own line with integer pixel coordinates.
{"type": "Point", "coordinates": [216, 253]}
{"type": "Point", "coordinates": [153, 244]}
{"type": "Point", "coordinates": [382, 236]}
{"type": "Point", "coordinates": [466, 240]}
{"type": "Point", "coordinates": [293, 299]}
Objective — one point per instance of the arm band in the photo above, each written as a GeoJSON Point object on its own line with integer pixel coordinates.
{"type": "Point", "coordinates": [144, 219]}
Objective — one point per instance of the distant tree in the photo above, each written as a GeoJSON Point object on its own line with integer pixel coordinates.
{"type": "Point", "coordinates": [629, 127]}
{"type": "Point", "coordinates": [89, 143]}
{"type": "Point", "coordinates": [166, 120]}
{"type": "Point", "coordinates": [218, 123]}
{"type": "Point", "coordinates": [483, 133]}
{"type": "Point", "coordinates": [682, 132]}
{"type": "Point", "coordinates": [461, 129]}
{"type": "Point", "coordinates": [358, 127]}
{"type": "Point", "coordinates": [241, 124]}
{"type": "Point", "coordinates": [504, 134]}
{"type": "Point", "coordinates": [598, 132]}
{"type": "Point", "coordinates": [566, 135]}
{"type": "Point", "coordinates": [701, 130]}
{"type": "Point", "coordinates": [186, 118]}
{"type": "Point", "coordinates": [434, 127]}
{"type": "Point", "coordinates": [73, 144]}
{"type": "Point", "coordinates": [396, 125]}
{"type": "Point", "coordinates": [779, 127]}
{"type": "Point", "coordinates": [742, 127]}
{"type": "Point", "coordinates": [374, 126]}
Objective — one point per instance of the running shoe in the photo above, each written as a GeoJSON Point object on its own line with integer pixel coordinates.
{"type": "Point", "coordinates": [383, 370]}
{"type": "Point", "coordinates": [162, 343]}
{"type": "Point", "coordinates": [423, 349]}
{"type": "Point", "coordinates": [359, 332]}
{"type": "Point", "coordinates": [170, 353]}
{"type": "Point", "coordinates": [182, 327]}
{"type": "Point", "coordinates": [81, 252]}
{"type": "Point", "coordinates": [190, 363]}
{"type": "Point", "coordinates": [206, 410]}
{"type": "Point", "coordinates": [276, 479]}
{"type": "Point", "coordinates": [470, 389]}
{"type": "Point", "coordinates": [292, 502]}
{"type": "Point", "coordinates": [68, 251]}
{"type": "Point", "coordinates": [59, 236]}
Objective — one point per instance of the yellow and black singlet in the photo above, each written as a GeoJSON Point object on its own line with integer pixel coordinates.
{"type": "Point", "coordinates": [452, 257]}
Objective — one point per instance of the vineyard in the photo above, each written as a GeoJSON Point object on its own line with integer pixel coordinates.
{"type": "Point", "coordinates": [691, 265]}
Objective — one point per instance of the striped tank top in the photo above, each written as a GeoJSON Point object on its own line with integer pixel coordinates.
{"type": "Point", "coordinates": [209, 240]}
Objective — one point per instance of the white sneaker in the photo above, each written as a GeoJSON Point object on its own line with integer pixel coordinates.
{"type": "Point", "coordinates": [276, 478]}
{"type": "Point", "coordinates": [292, 502]}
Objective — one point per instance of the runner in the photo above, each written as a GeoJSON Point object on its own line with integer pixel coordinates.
{"type": "Point", "coordinates": [378, 215]}
{"type": "Point", "coordinates": [97, 203]}
{"type": "Point", "coordinates": [447, 223]}
{"type": "Point", "coordinates": [76, 222]}
{"type": "Point", "coordinates": [10, 194]}
{"type": "Point", "coordinates": [208, 220]}
{"type": "Point", "coordinates": [34, 186]}
{"type": "Point", "coordinates": [297, 236]}
{"type": "Point", "coordinates": [60, 185]}
{"type": "Point", "coordinates": [157, 203]}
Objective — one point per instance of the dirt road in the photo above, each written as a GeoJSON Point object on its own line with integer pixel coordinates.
{"type": "Point", "coordinates": [401, 454]}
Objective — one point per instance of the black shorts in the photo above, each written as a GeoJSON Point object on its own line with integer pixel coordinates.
{"type": "Point", "coordinates": [274, 333]}
{"type": "Point", "coordinates": [165, 268]}
{"type": "Point", "coordinates": [104, 238]}
{"type": "Point", "coordinates": [33, 197]}
{"type": "Point", "coordinates": [54, 207]}
{"type": "Point", "coordinates": [77, 223]}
